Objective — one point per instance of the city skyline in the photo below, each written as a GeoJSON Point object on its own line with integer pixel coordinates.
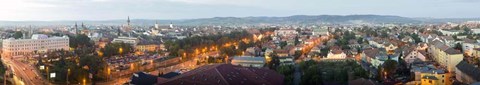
{"type": "Point", "coordinates": [57, 10]}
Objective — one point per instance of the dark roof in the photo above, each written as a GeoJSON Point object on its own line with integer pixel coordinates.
{"type": "Point", "coordinates": [452, 51]}
{"type": "Point", "coordinates": [466, 40]}
{"type": "Point", "coordinates": [362, 81]}
{"type": "Point", "coordinates": [170, 75]}
{"type": "Point", "coordinates": [226, 74]}
{"type": "Point", "coordinates": [469, 70]}
{"type": "Point", "coordinates": [141, 78]}
{"type": "Point", "coordinates": [371, 52]}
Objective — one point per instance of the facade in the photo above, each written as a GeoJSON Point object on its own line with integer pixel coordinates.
{"type": "Point", "coordinates": [336, 54]}
{"type": "Point", "coordinates": [130, 40]}
{"type": "Point", "coordinates": [248, 61]}
{"type": "Point", "coordinates": [446, 56]}
{"type": "Point", "coordinates": [448, 32]}
{"type": "Point", "coordinates": [285, 32]}
{"type": "Point", "coordinates": [39, 42]}
{"type": "Point", "coordinates": [320, 32]}
{"type": "Point", "coordinates": [414, 55]}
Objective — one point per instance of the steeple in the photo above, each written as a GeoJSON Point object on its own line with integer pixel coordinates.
{"type": "Point", "coordinates": [171, 25]}
{"type": "Point", "coordinates": [128, 20]}
{"type": "Point", "coordinates": [76, 28]}
{"type": "Point", "coordinates": [83, 26]}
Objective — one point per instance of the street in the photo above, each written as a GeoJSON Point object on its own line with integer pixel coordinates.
{"type": "Point", "coordinates": [24, 74]}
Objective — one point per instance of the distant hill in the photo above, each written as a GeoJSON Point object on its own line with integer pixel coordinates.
{"type": "Point", "coordinates": [297, 19]}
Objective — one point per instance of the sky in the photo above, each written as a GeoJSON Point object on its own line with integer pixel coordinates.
{"type": "Point", "coordinates": [55, 10]}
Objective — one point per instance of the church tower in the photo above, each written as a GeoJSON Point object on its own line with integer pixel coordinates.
{"type": "Point", "coordinates": [128, 21]}
{"type": "Point", "coordinates": [76, 28]}
{"type": "Point", "coordinates": [156, 24]}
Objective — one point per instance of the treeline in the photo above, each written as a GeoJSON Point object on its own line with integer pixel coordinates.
{"type": "Point", "coordinates": [190, 44]}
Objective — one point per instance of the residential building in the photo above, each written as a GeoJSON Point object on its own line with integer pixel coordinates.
{"type": "Point", "coordinates": [444, 55]}
{"type": "Point", "coordinates": [285, 32]}
{"type": "Point", "coordinates": [467, 73]}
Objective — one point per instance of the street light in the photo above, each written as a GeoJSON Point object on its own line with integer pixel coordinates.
{"type": "Point", "coordinates": [84, 81]}
{"type": "Point", "coordinates": [68, 73]}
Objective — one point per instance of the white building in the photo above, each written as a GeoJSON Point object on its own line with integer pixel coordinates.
{"type": "Point", "coordinates": [130, 40]}
{"type": "Point", "coordinates": [249, 61]}
{"type": "Point", "coordinates": [285, 32]}
{"type": "Point", "coordinates": [39, 42]}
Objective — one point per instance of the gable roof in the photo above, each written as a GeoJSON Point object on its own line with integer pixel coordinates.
{"type": "Point", "coordinates": [469, 70]}
{"type": "Point", "coordinates": [226, 74]}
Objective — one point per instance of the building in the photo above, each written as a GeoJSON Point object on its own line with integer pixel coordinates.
{"type": "Point", "coordinates": [285, 32]}
{"type": "Point", "coordinates": [376, 57]}
{"type": "Point", "coordinates": [414, 55]}
{"type": "Point", "coordinates": [130, 40]}
{"type": "Point", "coordinates": [449, 32]}
{"type": "Point", "coordinates": [428, 74]}
{"type": "Point", "coordinates": [467, 73]}
{"type": "Point", "coordinates": [225, 74]}
{"type": "Point", "coordinates": [336, 54]}
{"type": "Point", "coordinates": [284, 57]}
{"type": "Point", "coordinates": [248, 61]}
{"type": "Point", "coordinates": [444, 55]}
{"type": "Point", "coordinates": [320, 32]}
{"type": "Point", "coordinates": [148, 46]}
{"type": "Point", "coordinates": [39, 42]}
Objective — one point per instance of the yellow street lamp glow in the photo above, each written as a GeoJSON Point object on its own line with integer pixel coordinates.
{"type": "Point", "coordinates": [84, 81]}
{"type": "Point", "coordinates": [120, 50]}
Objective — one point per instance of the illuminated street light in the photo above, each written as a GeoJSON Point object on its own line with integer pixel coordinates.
{"type": "Point", "coordinates": [120, 50]}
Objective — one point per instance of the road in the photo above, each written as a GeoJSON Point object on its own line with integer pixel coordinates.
{"type": "Point", "coordinates": [24, 73]}
{"type": "Point", "coordinates": [297, 76]}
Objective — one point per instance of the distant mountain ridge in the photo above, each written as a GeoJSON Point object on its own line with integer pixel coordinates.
{"type": "Point", "coordinates": [296, 19]}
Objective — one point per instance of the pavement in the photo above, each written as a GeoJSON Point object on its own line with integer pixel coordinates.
{"type": "Point", "coordinates": [297, 76]}
{"type": "Point", "coordinates": [24, 74]}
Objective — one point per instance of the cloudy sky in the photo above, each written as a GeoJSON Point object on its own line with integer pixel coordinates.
{"type": "Point", "coordinates": [51, 10]}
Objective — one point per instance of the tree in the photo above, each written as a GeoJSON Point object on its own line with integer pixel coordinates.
{"type": "Point", "coordinates": [296, 40]}
{"type": "Point", "coordinates": [297, 54]}
{"type": "Point", "coordinates": [458, 46]}
{"type": "Point", "coordinates": [80, 40]}
{"type": "Point", "coordinates": [17, 34]}
{"type": "Point", "coordinates": [93, 64]}
{"type": "Point", "coordinates": [390, 66]}
{"type": "Point", "coordinates": [275, 62]}
{"type": "Point", "coordinates": [117, 49]}
{"type": "Point", "coordinates": [283, 44]}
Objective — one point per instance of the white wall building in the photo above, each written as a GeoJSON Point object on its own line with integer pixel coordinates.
{"type": "Point", "coordinates": [39, 42]}
{"type": "Point", "coordinates": [249, 61]}
{"type": "Point", "coordinates": [130, 40]}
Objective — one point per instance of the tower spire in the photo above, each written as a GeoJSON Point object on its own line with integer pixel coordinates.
{"type": "Point", "coordinates": [76, 28]}
{"type": "Point", "coordinates": [128, 20]}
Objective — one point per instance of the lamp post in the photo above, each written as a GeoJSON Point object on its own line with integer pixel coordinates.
{"type": "Point", "coordinates": [68, 73]}
{"type": "Point", "coordinates": [108, 73]}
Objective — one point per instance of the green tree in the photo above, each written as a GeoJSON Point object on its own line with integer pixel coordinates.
{"type": "Point", "coordinates": [94, 64]}
{"type": "Point", "coordinates": [283, 44]}
{"type": "Point", "coordinates": [112, 49]}
{"type": "Point", "coordinates": [390, 67]}
{"type": "Point", "coordinates": [80, 40]}
{"type": "Point", "coordinates": [18, 34]}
